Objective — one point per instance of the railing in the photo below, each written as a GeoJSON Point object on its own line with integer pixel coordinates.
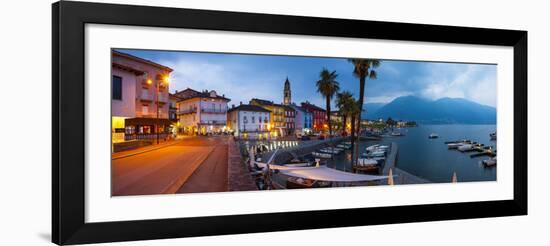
{"type": "Point", "coordinates": [213, 122]}
{"type": "Point", "coordinates": [187, 111]}
{"type": "Point", "coordinates": [212, 110]}
{"type": "Point", "coordinates": [145, 136]}
{"type": "Point", "coordinates": [146, 97]}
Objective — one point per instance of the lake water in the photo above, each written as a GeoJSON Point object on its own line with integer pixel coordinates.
{"type": "Point", "coordinates": [430, 158]}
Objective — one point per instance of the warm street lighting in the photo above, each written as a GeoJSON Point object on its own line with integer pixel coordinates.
{"type": "Point", "coordinates": [166, 79]}
{"type": "Point", "coordinates": [149, 81]}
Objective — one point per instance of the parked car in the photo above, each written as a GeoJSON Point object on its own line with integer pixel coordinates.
{"type": "Point", "coordinates": [305, 138]}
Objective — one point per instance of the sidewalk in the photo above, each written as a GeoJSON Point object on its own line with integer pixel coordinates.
{"type": "Point", "coordinates": [145, 149]}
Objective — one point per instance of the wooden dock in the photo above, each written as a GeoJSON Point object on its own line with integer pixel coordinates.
{"type": "Point", "coordinates": [403, 177]}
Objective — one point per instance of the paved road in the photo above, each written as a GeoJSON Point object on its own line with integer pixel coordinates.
{"type": "Point", "coordinates": [211, 176]}
{"type": "Point", "coordinates": [167, 169]}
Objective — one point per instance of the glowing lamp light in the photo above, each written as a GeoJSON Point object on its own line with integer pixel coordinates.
{"type": "Point", "coordinates": [149, 81]}
{"type": "Point", "coordinates": [166, 79]}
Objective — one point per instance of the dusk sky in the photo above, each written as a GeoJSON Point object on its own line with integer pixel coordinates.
{"type": "Point", "coordinates": [242, 77]}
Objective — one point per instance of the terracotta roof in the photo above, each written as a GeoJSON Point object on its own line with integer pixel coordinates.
{"type": "Point", "coordinates": [141, 60]}
{"type": "Point", "coordinates": [248, 107]}
{"type": "Point", "coordinates": [309, 106]}
{"type": "Point", "coordinates": [266, 102]}
{"type": "Point", "coordinates": [196, 94]}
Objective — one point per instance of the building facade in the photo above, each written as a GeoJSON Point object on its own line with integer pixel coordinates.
{"type": "Point", "coordinates": [173, 114]}
{"type": "Point", "coordinates": [249, 122]}
{"type": "Point", "coordinates": [290, 119]}
{"type": "Point", "coordinates": [303, 121]}
{"type": "Point", "coordinates": [276, 115]}
{"type": "Point", "coordinates": [201, 112]}
{"type": "Point", "coordinates": [140, 101]}
{"type": "Point", "coordinates": [318, 116]}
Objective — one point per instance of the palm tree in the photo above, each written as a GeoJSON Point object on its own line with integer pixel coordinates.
{"type": "Point", "coordinates": [353, 112]}
{"type": "Point", "coordinates": [328, 87]}
{"type": "Point", "coordinates": [363, 68]}
{"type": "Point", "coordinates": [343, 102]}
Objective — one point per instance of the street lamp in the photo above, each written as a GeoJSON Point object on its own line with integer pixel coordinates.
{"type": "Point", "coordinates": [166, 80]}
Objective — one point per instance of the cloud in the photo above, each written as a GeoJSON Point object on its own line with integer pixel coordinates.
{"type": "Point", "coordinates": [470, 81]}
{"type": "Point", "coordinates": [237, 82]}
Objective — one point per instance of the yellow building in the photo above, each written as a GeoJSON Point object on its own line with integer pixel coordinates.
{"type": "Point", "coordinates": [276, 115]}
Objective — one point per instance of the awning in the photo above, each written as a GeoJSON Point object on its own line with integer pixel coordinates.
{"type": "Point", "coordinates": [147, 121]}
{"type": "Point", "coordinates": [323, 173]}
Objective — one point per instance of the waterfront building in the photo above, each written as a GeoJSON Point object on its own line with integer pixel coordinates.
{"type": "Point", "coordinates": [201, 112]}
{"type": "Point", "coordinates": [276, 115]}
{"type": "Point", "coordinates": [139, 98]}
{"type": "Point", "coordinates": [290, 119]}
{"type": "Point", "coordinates": [173, 114]}
{"type": "Point", "coordinates": [249, 122]}
{"type": "Point", "coordinates": [318, 114]}
{"type": "Point", "coordinates": [303, 120]}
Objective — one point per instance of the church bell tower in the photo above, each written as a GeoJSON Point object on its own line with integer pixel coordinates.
{"type": "Point", "coordinates": [287, 98]}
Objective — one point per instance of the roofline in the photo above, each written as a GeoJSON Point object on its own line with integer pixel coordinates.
{"type": "Point", "coordinates": [141, 60]}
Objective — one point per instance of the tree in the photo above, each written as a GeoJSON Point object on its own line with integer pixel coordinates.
{"type": "Point", "coordinates": [363, 68]}
{"type": "Point", "coordinates": [344, 101]}
{"type": "Point", "coordinates": [353, 112]}
{"type": "Point", "coordinates": [328, 87]}
{"type": "Point", "coordinates": [391, 122]}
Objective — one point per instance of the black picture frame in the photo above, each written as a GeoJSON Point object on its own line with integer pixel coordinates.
{"type": "Point", "coordinates": [68, 107]}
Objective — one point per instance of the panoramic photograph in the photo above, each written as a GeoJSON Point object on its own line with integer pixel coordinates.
{"type": "Point", "coordinates": [194, 122]}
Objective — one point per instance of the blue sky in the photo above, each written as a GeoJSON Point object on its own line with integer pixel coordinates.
{"type": "Point", "coordinates": [242, 77]}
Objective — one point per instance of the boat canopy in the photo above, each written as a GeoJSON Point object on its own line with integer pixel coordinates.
{"type": "Point", "coordinates": [329, 174]}
{"type": "Point", "coordinates": [322, 173]}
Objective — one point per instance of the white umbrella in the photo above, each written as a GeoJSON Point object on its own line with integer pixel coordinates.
{"type": "Point", "coordinates": [390, 177]}
{"type": "Point", "coordinates": [454, 180]}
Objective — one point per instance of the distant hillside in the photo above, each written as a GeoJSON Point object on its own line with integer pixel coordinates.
{"type": "Point", "coordinates": [370, 109]}
{"type": "Point", "coordinates": [441, 111]}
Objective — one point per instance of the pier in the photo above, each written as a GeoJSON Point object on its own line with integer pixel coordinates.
{"type": "Point", "coordinates": [403, 177]}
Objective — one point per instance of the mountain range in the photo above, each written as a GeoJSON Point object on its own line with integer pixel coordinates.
{"type": "Point", "coordinates": [442, 111]}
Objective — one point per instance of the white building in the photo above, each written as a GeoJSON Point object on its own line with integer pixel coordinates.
{"type": "Point", "coordinates": [201, 112]}
{"type": "Point", "coordinates": [249, 122]}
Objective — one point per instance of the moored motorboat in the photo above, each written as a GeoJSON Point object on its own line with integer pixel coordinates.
{"type": "Point", "coordinates": [493, 136]}
{"type": "Point", "coordinates": [454, 145]}
{"type": "Point", "coordinates": [321, 155]}
{"type": "Point", "coordinates": [465, 147]}
{"type": "Point", "coordinates": [433, 135]}
{"type": "Point", "coordinates": [490, 162]}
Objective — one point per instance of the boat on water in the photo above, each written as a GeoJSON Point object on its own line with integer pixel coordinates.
{"type": "Point", "coordinates": [454, 145]}
{"type": "Point", "coordinates": [490, 162]}
{"type": "Point", "coordinates": [321, 155]}
{"type": "Point", "coordinates": [344, 146]}
{"type": "Point", "coordinates": [465, 147]}
{"type": "Point", "coordinates": [493, 136]}
{"type": "Point", "coordinates": [433, 135]}
{"type": "Point", "coordinates": [397, 134]}
{"type": "Point", "coordinates": [367, 165]}
{"type": "Point", "coordinates": [377, 147]}
{"type": "Point", "coordinates": [301, 183]}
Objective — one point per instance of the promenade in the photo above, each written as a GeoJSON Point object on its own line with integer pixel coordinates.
{"type": "Point", "coordinates": [195, 164]}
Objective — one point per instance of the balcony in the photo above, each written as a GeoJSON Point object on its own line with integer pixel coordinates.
{"type": "Point", "coordinates": [147, 115]}
{"type": "Point", "coordinates": [187, 111]}
{"type": "Point", "coordinates": [213, 122]}
{"type": "Point", "coordinates": [213, 111]}
{"type": "Point", "coordinates": [146, 97]}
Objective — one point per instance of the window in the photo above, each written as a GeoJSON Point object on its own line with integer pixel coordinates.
{"type": "Point", "coordinates": [117, 88]}
{"type": "Point", "coordinates": [145, 109]}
